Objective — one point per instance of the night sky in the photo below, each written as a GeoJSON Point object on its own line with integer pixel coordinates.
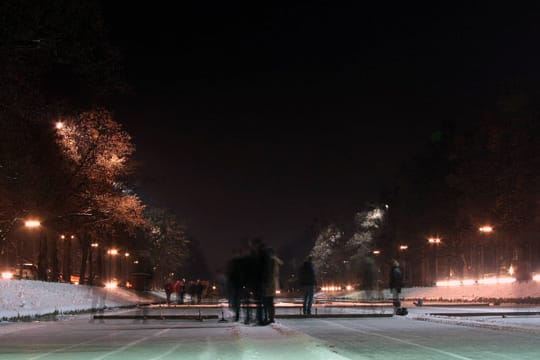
{"type": "Point", "coordinates": [255, 119]}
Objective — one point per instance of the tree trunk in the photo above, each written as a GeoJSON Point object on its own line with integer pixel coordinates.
{"type": "Point", "coordinates": [90, 268]}
{"type": "Point", "coordinates": [85, 248]}
{"type": "Point", "coordinates": [55, 265]}
{"type": "Point", "coordinates": [66, 262]}
{"type": "Point", "coordinates": [100, 264]}
{"type": "Point", "coordinates": [42, 259]}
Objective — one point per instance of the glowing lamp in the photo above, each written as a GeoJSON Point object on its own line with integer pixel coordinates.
{"type": "Point", "coordinates": [32, 223]}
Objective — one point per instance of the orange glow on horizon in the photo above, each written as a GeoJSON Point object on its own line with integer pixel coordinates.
{"type": "Point", "coordinates": [486, 281]}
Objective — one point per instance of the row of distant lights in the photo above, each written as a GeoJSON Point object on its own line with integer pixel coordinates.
{"type": "Point", "coordinates": [401, 248]}
{"type": "Point", "coordinates": [336, 288]}
{"type": "Point", "coordinates": [485, 281]}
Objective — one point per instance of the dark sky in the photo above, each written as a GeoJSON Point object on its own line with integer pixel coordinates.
{"type": "Point", "coordinates": [254, 119]}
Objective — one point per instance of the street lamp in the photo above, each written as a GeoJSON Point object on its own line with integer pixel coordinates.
{"type": "Point", "coordinates": [32, 223]}
{"type": "Point", "coordinates": [485, 229]}
{"type": "Point", "coordinates": [434, 240]}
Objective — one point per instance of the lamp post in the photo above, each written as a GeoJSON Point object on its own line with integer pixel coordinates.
{"type": "Point", "coordinates": [486, 229]}
{"type": "Point", "coordinates": [126, 267]}
{"type": "Point", "coordinates": [402, 250]}
{"type": "Point", "coordinates": [112, 253]}
{"type": "Point", "coordinates": [30, 224]}
{"type": "Point", "coordinates": [435, 241]}
{"type": "Point", "coordinates": [91, 270]}
{"type": "Point", "coordinates": [66, 257]}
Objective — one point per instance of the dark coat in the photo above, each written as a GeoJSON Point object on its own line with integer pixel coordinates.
{"type": "Point", "coordinates": [235, 273]}
{"type": "Point", "coordinates": [306, 275]}
{"type": "Point", "coordinates": [396, 278]}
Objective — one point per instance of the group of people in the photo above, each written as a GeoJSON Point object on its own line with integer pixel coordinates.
{"type": "Point", "coordinates": [181, 288]}
{"type": "Point", "coordinates": [252, 278]}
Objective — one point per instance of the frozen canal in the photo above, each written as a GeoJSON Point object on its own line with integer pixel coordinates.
{"type": "Point", "coordinates": [417, 336]}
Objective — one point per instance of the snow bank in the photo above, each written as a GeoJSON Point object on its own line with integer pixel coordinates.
{"type": "Point", "coordinates": [515, 290]}
{"type": "Point", "coordinates": [25, 298]}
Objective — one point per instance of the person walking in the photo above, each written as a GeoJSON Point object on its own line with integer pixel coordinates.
{"type": "Point", "coordinates": [168, 287]}
{"type": "Point", "coordinates": [308, 282]}
{"type": "Point", "coordinates": [396, 283]}
{"type": "Point", "coordinates": [178, 290]}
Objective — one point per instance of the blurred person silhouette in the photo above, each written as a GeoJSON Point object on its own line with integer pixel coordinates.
{"type": "Point", "coordinates": [369, 277]}
{"type": "Point", "coordinates": [235, 282]}
{"type": "Point", "coordinates": [260, 277]}
{"type": "Point", "coordinates": [395, 284]}
{"type": "Point", "coordinates": [271, 285]}
{"type": "Point", "coordinates": [99, 297]}
{"type": "Point", "coordinates": [247, 280]}
{"type": "Point", "coordinates": [308, 282]}
{"type": "Point", "coordinates": [183, 291]}
{"type": "Point", "coordinates": [192, 291]}
{"type": "Point", "coordinates": [199, 289]}
{"type": "Point", "coordinates": [168, 287]}
{"type": "Point", "coordinates": [178, 289]}
{"type": "Point", "coordinates": [252, 268]}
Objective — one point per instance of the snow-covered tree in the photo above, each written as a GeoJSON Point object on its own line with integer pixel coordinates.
{"type": "Point", "coordinates": [327, 252]}
{"type": "Point", "coordinates": [338, 257]}
{"type": "Point", "coordinates": [165, 243]}
{"type": "Point", "coordinates": [367, 224]}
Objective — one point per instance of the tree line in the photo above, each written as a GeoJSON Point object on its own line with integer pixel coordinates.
{"type": "Point", "coordinates": [477, 171]}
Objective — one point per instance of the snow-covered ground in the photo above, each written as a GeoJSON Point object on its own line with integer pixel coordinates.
{"type": "Point", "coordinates": [288, 338]}
{"type": "Point", "coordinates": [25, 298]}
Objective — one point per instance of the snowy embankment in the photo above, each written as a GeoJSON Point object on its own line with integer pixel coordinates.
{"type": "Point", "coordinates": [511, 292]}
{"type": "Point", "coordinates": [516, 291]}
{"type": "Point", "coordinates": [25, 298]}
